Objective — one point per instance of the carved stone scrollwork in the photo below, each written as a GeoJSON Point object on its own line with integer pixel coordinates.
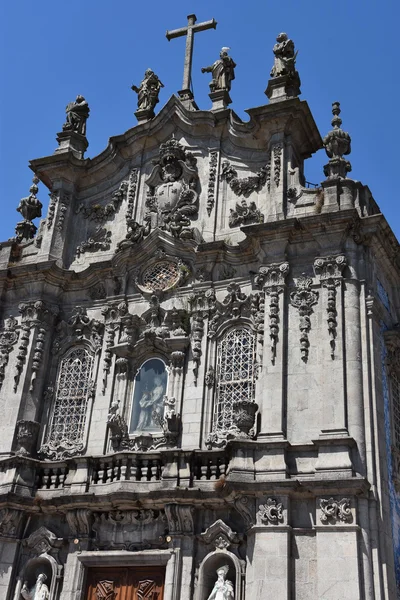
{"type": "Point", "coordinates": [79, 522]}
{"type": "Point", "coordinates": [8, 338]}
{"type": "Point", "coordinates": [27, 432]}
{"type": "Point", "coordinates": [272, 280]}
{"type": "Point", "coordinates": [210, 377]}
{"type": "Point", "coordinates": [172, 197]}
{"type": "Point", "coordinates": [246, 185]}
{"type": "Point", "coordinates": [116, 529]}
{"type": "Point", "coordinates": [220, 535]}
{"type": "Point", "coordinates": [271, 512]}
{"type": "Point", "coordinates": [245, 507]}
{"type": "Point", "coordinates": [180, 518]}
{"type": "Point", "coordinates": [22, 352]}
{"type": "Point", "coordinates": [212, 179]}
{"type": "Point", "coordinates": [80, 326]}
{"type": "Point", "coordinates": [10, 521]}
{"type": "Point", "coordinates": [52, 209]}
{"type": "Point", "coordinates": [335, 510]}
{"type": "Point", "coordinates": [244, 214]}
{"type": "Point", "coordinates": [133, 179]}
{"type": "Point", "coordinates": [330, 272]}
{"type": "Point", "coordinates": [304, 298]}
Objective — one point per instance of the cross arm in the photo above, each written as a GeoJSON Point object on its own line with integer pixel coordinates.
{"type": "Point", "coordinates": [174, 33]}
{"type": "Point", "coordinates": [206, 25]}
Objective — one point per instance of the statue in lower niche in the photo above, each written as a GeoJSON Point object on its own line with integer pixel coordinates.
{"type": "Point", "coordinates": [77, 115]}
{"type": "Point", "coordinates": [223, 72]}
{"type": "Point", "coordinates": [150, 401]}
{"type": "Point", "coordinates": [39, 591]}
{"type": "Point", "coordinates": [148, 91]}
{"type": "Point", "coordinates": [223, 588]}
{"type": "Point", "coordinates": [285, 57]}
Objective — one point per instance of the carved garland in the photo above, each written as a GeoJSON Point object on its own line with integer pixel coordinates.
{"type": "Point", "coordinates": [22, 352]}
{"type": "Point", "coordinates": [330, 271]}
{"type": "Point", "coordinates": [133, 178]}
{"type": "Point", "coordinates": [52, 209]}
{"type": "Point", "coordinates": [112, 316]}
{"type": "Point", "coordinates": [272, 280]}
{"type": "Point", "coordinates": [212, 178]}
{"type": "Point", "coordinates": [277, 152]}
{"type": "Point", "coordinates": [99, 213]}
{"type": "Point", "coordinates": [246, 185]}
{"type": "Point", "coordinates": [8, 337]}
{"type": "Point", "coordinates": [304, 298]}
{"type": "Point", "coordinates": [62, 215]}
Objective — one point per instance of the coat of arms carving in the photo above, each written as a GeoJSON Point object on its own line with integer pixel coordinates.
{"type": "Point", "coordinates": [172, 199]}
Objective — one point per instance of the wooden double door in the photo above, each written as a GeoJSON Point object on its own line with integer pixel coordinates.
{"type": "Point", "coordinates": [125, 583]}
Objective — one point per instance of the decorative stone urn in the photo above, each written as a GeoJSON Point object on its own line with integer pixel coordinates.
{"type": "Point", "coordinates": [244, 416]}
{"type": "Point", "coordinates": [27, 432]}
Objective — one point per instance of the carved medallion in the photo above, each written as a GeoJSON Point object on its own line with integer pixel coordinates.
{"type": "Point", "coordinates": [147, 590]}
{"type": "Point", "coordinates": [105, 590]}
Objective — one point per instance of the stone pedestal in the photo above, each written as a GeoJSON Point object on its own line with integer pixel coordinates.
{"type": "Point", "coordinates": [283, 88]}
{"type": "Point", "coordinates": [187, 99]}
{"type": "Point", "coordinates": [220, 100]}
{"type": "Point", "coordinates": [69, 141]}
{"type": "Point", "coordinates": [144, 115]}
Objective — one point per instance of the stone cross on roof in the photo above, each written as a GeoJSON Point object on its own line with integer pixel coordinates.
{"type": "Point", "coordinates": [185, 93]}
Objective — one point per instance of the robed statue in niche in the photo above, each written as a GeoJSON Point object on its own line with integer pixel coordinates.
{"type": "Point", "coordinates": [223, 588]}
{"type": "Point", "coordinates": [39, 591]}
{"type": "Point", "coordinates": [149, 392]}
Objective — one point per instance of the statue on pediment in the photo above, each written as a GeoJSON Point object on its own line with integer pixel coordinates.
{"type": "Point", "coordinates": [77, 115]}
{"type": "Point", "coordinates": [148, 91]}
{"type": "Point", "coordinates": [285, 56]}
{"type": "Point", "coordinates": [172, 197]}
{"type": "Point", "coordinates": [222, 70]}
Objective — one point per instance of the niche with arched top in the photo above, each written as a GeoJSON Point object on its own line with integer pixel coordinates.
{"type": "Point", "coordinates": [45, 564]}
{"type": "Point", "coordinates": [208, 573]}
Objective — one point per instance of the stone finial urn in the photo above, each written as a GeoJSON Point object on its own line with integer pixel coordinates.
{"type": "Point", "coordinates": [27, 432]}
{"type": "Point", "coordinates": [244, 416]}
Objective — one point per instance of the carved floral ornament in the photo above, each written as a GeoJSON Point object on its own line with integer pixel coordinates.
{"type": "Point", "coordinates": [333, 510]}
{"type": "Point", "coordinates": [392, 341]}
{"type": "Point", "coordinates": [8, 338]}
{"type": "Point", "coordinates": [271, 512]}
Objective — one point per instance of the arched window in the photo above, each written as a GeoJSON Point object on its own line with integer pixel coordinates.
{"type": "Point", "coordinates": [68, 419]}
{"type": "Point", "coordinates": [235, 375]}
{"type": "Point", "coordinates": [148, 396]}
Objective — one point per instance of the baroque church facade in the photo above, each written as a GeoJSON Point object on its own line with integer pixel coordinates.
{"type": "Point", "coordinates": [200, 360]}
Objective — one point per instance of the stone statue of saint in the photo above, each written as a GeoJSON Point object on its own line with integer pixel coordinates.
{"type": "Point", "coordinates": [151, 400]}
{"type": "Point", "coordinates": [77, 114]}
{"type": "Point", "coordinates": [223, 72]}
{"type": "Point", "coordinates": [39, 591]}
{"type": "Point", "coordinates": [148, 91]}
{"type": "Point", "coordinates": [223, 588]}
{"type": "Point", "coordinates": [285, 57]}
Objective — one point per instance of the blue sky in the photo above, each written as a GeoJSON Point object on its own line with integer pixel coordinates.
{"type": "Point", "coordinates": [51, 51]}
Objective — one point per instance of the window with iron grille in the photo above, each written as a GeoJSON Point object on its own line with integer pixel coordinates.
{"type": "Point", "coordinates": [396, 409]}
{"type": "Point", "coordinates": [235, 375]}
{"type": "Point", "coordinates": [74, 386]}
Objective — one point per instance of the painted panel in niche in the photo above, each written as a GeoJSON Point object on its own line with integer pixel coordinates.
{"type": "Point", "coordinates": [149, 391]}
